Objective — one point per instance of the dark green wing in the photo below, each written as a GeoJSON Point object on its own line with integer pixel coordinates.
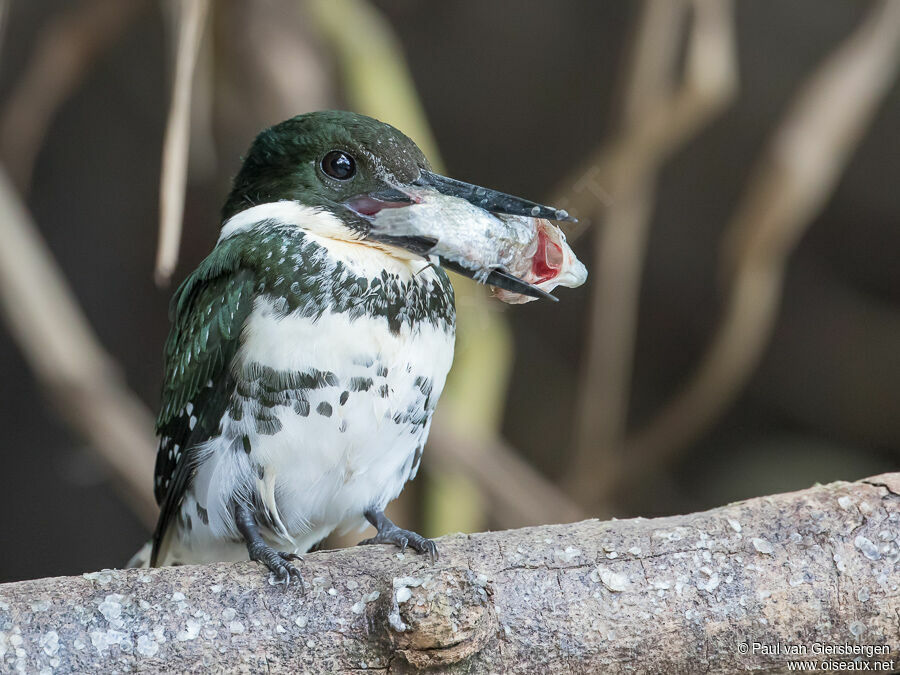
{"type": "Point", "coordinates": [208, 312]}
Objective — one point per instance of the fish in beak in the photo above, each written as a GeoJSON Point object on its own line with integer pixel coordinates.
{"type": "Point", "coordinates": [489, 236]}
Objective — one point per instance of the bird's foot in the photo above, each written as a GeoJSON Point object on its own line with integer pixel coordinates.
{"type": "Point", "coordinates": [388, 533]}
{"type": "Point", "coordinates": [279, 563]}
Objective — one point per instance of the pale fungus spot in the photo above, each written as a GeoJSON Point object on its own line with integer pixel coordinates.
{"type": "Point", "coordinates": [50, 643]}
{"type": "Point", "coordinates": [396, 623]}
{"type": "Point", "coordinates": [147, 646]}
{"type": "Point", "coordinates": [190, 632]}
{"type": "Point", "coordinates": [111, 608]}
{"type": "Point", "coordinates": [711, 584]}
{"type": "Point", "coordinates": [867, 547]}
{"type": "Point", "coordinates": [762, 546]}
{"type": "Point", "coordinates": [567, 555]}
{"type": "Point", "coordinates": [102, 577]}
{"type": "Point", "coordinates": [614, 581]}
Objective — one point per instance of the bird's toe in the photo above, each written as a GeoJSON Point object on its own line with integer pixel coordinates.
{"type": "Point", "coordinates": [404, 539]}
{"type": "Point", "coordinates": [278, 563]}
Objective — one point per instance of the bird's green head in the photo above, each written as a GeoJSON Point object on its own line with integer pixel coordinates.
{"type": "Point", "coordinates": [348, 168]}
{"type": "Point", "coordinates": [325, 159]}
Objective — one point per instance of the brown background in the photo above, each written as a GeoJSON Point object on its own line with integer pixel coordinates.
{"type": "Point", "coordinates": [517, 94]}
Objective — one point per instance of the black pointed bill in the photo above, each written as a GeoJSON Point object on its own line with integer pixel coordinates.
{"type": "Point", "coordinates": [502, 279]}
{"type": "Point", "coordinates": [490, 200]}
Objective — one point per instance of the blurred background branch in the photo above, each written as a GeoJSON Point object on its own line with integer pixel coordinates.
{"type": "Point", "coordinates": [61, 58]}
{"type": "Point", "coordinates": [67, 359]}
{"type": "Point", "coordinates": [551, 413]}
{"type": "Point", "coordinates": [190, 18]}
{"type": "Point", "coordinates": [658, 113]}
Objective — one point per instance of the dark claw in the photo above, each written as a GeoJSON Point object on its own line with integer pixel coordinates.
{"type": "Point", "coordinates": [388, 533]}
{"type": "Point", "coordinates": [278, 563]}
{"type": "Point", "coordinates": [431, 548]}
{"type": "Point", "coordinates": [404, 539]}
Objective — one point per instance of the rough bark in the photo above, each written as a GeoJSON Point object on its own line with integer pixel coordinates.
{"type": "Point", "coordinates": [678, 594]}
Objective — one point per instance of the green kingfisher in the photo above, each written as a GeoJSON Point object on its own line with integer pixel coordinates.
{"type": "Point", "coordinates": [307, 353]}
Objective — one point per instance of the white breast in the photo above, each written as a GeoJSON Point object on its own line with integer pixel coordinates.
{"type": "Point", "coordinates": [351, 452]}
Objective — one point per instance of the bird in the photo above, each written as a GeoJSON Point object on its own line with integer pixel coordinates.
{"type": "Point", "coordinates": [306, 354]}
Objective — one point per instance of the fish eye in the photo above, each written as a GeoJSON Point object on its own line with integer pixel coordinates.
{"type": "Point", "coordinates": [338, 164]}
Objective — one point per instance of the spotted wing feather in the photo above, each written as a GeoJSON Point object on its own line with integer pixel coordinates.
{"type": "Point", "coordinates": [208, 313]}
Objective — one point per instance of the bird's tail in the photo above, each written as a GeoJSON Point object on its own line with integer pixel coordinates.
{"type": "Point", "coordinates": [142, 557]}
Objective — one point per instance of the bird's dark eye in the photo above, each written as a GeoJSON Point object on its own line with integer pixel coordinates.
{"type": "Point", "coordinates": [338, 164]}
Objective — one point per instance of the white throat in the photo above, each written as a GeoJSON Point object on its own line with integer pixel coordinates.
{"type": "Point", "coordinates": [310, 218]}
{"type": "Point", "coordinates": [327, 229]}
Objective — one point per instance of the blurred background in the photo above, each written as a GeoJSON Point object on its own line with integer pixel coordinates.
{"type": "Point", "coordinates": [733, 166]}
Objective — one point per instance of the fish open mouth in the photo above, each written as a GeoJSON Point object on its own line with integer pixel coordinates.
{"type": "Point", "coordinates": [552, 263]}
{"type": "Point", "coordinates": [548, 258]}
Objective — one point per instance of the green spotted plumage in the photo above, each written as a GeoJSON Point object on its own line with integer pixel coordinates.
{"type": "Point", "coordinates": [208, 312]}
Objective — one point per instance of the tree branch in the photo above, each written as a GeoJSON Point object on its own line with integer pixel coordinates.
{"type": "Point", "coordinates": [678, 594]}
